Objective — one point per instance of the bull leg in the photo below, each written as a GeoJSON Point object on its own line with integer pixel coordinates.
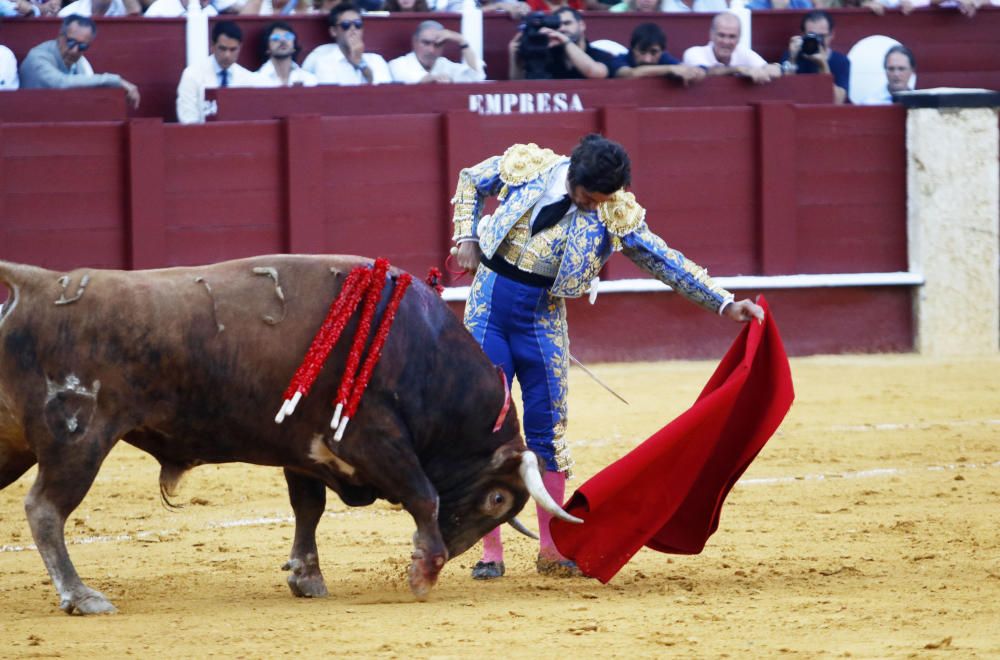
{"type": "Point", "coordinates": [409, 485]}
{"type": "Point", "coordinates": [66, 470]}
{"type": "Point", "coordinates": [429, 551]}
{"type": "Point", "coordinates": [308, 498]}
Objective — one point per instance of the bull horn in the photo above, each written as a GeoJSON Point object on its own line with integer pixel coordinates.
{"type": "Point", "coordinates": [519, 526]}
{"type": "Point", "coordinates": [533, 482]}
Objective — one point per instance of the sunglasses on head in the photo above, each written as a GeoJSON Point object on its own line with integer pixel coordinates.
{"type": "Point", "coordinates": [282, 36]}
{"type": "Point", "coordinates": [73, 43]}
{"type": "Point", "coordinates": [347, 25]}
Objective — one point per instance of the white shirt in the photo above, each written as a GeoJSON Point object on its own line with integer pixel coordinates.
{"type": "Point", "coordinates": [705, 56]}
{"type": "Point", "coordinates": [191, 105]}
{"type": "Point", "coordinates": [86, 8]}
{"type": "Point", "coordinates": [328, 64]}
{"type": "Point", "coordinates": [408, 69]}
{"type": "Point", "coordinates": [555, 189]}
{"type": "Point", "coordinates": [713, 6]}
{"type": "Point", "coordinates": [267, 76]}
{"type": "Point", "coordinates": [174, 8]}
{"type": "Point", "coordinates": [8, 70]}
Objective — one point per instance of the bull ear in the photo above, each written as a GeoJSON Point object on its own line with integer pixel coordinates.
{"type": "Point", "coordinates": [509, 452]}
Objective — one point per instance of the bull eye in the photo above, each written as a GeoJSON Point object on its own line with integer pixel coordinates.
{"type": "Point", "coordinates": [496, 503]}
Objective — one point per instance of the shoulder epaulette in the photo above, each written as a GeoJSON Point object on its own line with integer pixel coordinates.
{"type": "Point", "coordinates": [621, 214]}
{"type": "Point", "coordinates": [524, 162]}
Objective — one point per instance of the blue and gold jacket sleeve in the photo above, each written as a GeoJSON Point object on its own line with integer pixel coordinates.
{"type": "Point", "coordinates": [475, 184]}
{"type": "Point", "coordinates": [626, 221]}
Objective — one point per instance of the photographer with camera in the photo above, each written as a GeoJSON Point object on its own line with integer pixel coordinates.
{"type": "Point", "coordinates": [811, 52]}
{"type": "Point", "coordinates": [555, 46]}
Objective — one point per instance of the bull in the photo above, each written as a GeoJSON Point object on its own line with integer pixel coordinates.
{"type": "Point", "coordinates": [189, 365]}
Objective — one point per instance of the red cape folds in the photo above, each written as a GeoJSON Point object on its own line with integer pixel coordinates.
{"type": "Point", "coordinates": [667, 493]}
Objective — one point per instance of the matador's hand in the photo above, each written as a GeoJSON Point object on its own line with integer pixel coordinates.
{"type": "Point", "coordinates": [744, 310]}
{"type": "Point", "coordinates": [467, 256]}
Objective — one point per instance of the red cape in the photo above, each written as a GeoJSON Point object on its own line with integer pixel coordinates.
{"type": "Point", "coordinates": [667, 493]}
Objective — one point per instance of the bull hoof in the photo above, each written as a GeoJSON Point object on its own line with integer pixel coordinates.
{"type": "Point", "coordinates": [306, 581]}
{"type": "Point", "coordinates": [424, 574]}
{"type": "Point", "coordinates": [87, 602]}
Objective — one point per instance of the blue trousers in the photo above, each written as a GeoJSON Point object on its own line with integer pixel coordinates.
{"type": "Point", "coordinates": [522, 328]}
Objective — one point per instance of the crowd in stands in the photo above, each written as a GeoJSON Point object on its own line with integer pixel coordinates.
{"type": "Point", "coordinates": [552, 43]}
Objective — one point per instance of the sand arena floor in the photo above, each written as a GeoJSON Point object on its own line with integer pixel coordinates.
{"type": "Point", "coordinates": [868, 527]}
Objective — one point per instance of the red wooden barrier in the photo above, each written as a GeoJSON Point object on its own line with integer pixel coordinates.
{"type": "Point", "coordinates": [146, 194]}
{"type": "Point", "coordinates": [510, 97]}
{"type": "Point", "coordinates": [832, 182]}
{"type": "Point", "coordinates": [47, 105]}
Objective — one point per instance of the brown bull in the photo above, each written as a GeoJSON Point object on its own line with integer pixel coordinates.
{"type": "Point", "coordinates": [190, 364]}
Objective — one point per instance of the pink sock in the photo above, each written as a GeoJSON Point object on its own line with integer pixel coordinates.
{"type": "Point", "coordinates": [555, 484]}
{"type": "Point", "coordinates": [493, 546]}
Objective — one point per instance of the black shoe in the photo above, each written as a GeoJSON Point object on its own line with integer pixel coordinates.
{"type": "Point", "coordinates": [488, 570]}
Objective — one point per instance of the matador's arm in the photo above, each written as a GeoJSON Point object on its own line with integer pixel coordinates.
{"type": "Point", "coordinates": [626, 221]}
{"type": "Point", "coordinates": [475, 184]}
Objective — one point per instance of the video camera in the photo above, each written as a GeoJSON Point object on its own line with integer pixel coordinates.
{"type": "Point", "coordinates": [534, 49]}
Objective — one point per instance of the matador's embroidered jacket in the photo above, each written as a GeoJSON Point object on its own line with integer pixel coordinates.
{"type": "Point", "coordinates": [574, 250]}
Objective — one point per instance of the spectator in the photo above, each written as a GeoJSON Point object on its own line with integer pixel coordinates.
{"type": "Point", "coordinates": [217, 70]}
{"type": "Point", "coordinates": [723, 56]}
{"type": "Point", "coordinates": [633, 6]}
{"type": "Point", "coordinates": [713, 6]}
{"type": "Point", "coordinates": [175, 8]}
{"type": "Point", "coordinates": [566, 54]}
{"type": "Point", "coordinates": [647, 56]}
{"type": "Point", "coordinates": [899, 69]}
{"type": "Point", "coordinates": [281, 47]}
{"type": "Point", "coordinates": [811, 52]}
{"type": "Point", "coordinates": [345, 61]}
{"type": "Point", "coordinates": [780, 4]}
{"type": "Point", "coordinates": [18, 8]}
{"type": "Point", "coordinates": [46, 7]}
{"type": "Point", "coordinates": [60, 64]}
{"type": "Point", "coordinates": [397, 6]}
{"type": "Point", "coordinates": [275, 7]}
{"type": "Point", "coordinates": [8, 70]}
{"type": "Point", "coordinates": [426, 64]}
{"type": "Point", "coordinates": [102, 8]}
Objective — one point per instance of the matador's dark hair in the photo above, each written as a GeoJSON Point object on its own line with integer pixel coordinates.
{"type": "Point", "coordinates": [599, 165]}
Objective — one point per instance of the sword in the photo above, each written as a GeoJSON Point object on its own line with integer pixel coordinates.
{"type": "Point", "coordinates": [598, 380]}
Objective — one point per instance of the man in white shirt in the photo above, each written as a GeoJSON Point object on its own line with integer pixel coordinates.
{"type": "Point", "coordinates": [723, 56]}
{"type": "Point", "coordinates": [345, 61]}
{"type": "Point", "coordinates": [217, 70]}
{"type": "Point", "coordinates": [8, 70]}
{"type": "Point", "coordinates": [426, 64]}
{"type": "Point", "coordinates": [175, 8]}
{"type": "Point", "coordinates": [899, 69]}
{"type": "Point", "coordinates": [280, 69]}
{"type": "Point", "coordinates": [102, 8]}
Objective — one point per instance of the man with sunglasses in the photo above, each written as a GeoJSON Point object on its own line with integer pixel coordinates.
{"type": "Point", "coordinates": [425, 62]}
{"type": "Point", "coordinates": [345, 61]}
{"type": "Point", "coordinates": [60, 64]}
{"type": "Point", "coordinates": [217, 70]}
{"type": "Point", "coordinates": [281, 45]}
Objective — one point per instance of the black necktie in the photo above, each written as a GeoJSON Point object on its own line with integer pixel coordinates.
{"type": "Point", "coordinates": [551, 214]}
{"type": "Point", "coordinates": [224, 78]}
